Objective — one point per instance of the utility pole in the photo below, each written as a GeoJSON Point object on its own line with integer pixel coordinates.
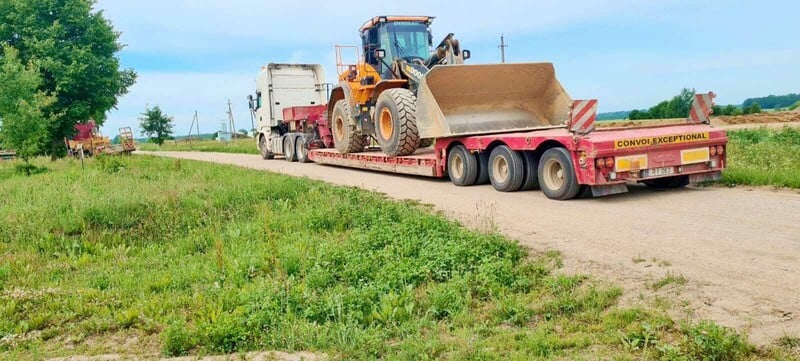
{"type": "Point", "coordinates": [230, 120]}
{"type": "Point", "coordinates": [194, 121]}
{"type": "Point", "coordinates": [502, 47]}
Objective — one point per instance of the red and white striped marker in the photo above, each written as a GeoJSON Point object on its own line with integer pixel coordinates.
{"type": "Point", "coordinates": [701, 108]}
{"type": "Point", "coordinates": [583, 114]}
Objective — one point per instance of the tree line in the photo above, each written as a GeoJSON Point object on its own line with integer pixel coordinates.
{"type": "Point", "coordinates": [679, 107]}
{"type": "Point", "coordinates": [773, 101]}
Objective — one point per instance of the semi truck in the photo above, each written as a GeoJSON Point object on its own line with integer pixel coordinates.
{"type": "Point", "coordinates": [511, 125]}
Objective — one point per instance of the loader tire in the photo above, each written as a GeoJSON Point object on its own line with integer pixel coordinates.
{"type": "Point", "coordinates": [288, 149]}
{"type": "Point", "coordinates": [301, 149]}
{"type": "Point", "coordinates": [506, 169]}
{"type": "Point", "coordinates": [557, 176]}
{"type": "Point", "coordinates": [345, 137]}
{"type": "Point", "coordinates": [396, 122]}
{"type": "Point", "coordinates": [462, 166]}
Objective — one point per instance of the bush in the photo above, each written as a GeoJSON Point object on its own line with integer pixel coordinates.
{"type": "Point", "coordinates": [708, 341]}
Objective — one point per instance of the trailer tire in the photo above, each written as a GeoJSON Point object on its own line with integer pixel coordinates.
{"type": "Point", "coordinates": [288, 149]}
{"type": "Point", "coordinates": [531, 181]}
{"type": "Point", "coordinates": [345, 137]}
{"type": "Point", "coordinates": [462, 166]}
{"type": "Point", "coordinates": [668, 183]}
{"type": "Point", "coordinates": [557, 176]}
{"type": "Point", "coordinates": [301, 150]}
{"type": "Point", "coordinates": [396, 122]}
{"type": "Point", "coordinates": [483, 168]}
{"type": "Point", "coordinates": [506, 169]}
{"type": "Point", "coordinates": [262, 147]}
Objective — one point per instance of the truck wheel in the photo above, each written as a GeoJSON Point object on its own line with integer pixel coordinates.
{"type": "Point", "coordinates": [506, 169]}
{"type": "Point", "coordinates": [345, 137]}
{"type": "Point", "coordinates": [288, 150]}
{"type": "Point", "coordinates": [556, 175]}
{"type": "Point", "coordinates": [462, 166]}
{"type": "Point", "coordinates": [396, 123]}
{"type": "Point", "coordinates": [531, 181]}
{"type": "Point", "coordinates": [668, 183]}
{"type": "Point", "coordinates": [483, 168]}
{"type": "Point", "coordinates": [262, 146]}
{"type": "Point", "coordinates": [301, 149]}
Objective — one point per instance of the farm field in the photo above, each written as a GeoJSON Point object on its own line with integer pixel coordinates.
{"type": "Point", "coordinates": [244, 146]}
{"type": "Point", "coordinates": [212, 259]}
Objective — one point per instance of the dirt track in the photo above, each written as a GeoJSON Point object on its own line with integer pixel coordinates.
{"type": "Point", "coordinates": [739, 248]}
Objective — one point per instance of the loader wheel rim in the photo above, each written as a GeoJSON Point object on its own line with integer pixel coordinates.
{"type": "Point", "coordinates": [500, 169]}
{"type": "Point", "coordinates": [386, 124]}
{"type": "Point", "coordinates": [553, 174]}
{"type": "Point", "coordinates": [458, 166]}
{"type": "Point", "coordinates": [338, 128]}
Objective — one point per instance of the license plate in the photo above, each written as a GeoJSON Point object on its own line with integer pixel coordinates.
{"type": "Point", "coordinates": [659, 172]}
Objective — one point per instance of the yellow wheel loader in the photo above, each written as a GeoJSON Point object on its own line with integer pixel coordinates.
{"type": "Point", "coordinates": [404, 92]}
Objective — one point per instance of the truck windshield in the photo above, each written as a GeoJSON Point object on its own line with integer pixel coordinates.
{"type": "Point", "coordinates": [404, 40]}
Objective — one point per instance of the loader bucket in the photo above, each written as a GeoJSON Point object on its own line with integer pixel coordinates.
{"type": "Point", "coordinates": [455, 100]}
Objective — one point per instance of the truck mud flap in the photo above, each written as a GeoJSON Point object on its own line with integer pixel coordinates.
{"type": "Point", "coordinates": [609, 189]}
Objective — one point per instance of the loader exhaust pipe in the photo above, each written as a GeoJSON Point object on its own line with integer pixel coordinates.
{"type": "Point", "coordinates": [455, 100]}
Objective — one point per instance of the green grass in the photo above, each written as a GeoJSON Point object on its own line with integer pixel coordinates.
{"type": "Point", "coordinates": [246, 146]}
{"type": "Point", "coordinates": [669, 279]}
{"type": "Point", "coordinates": [192, 258]}
{"type": "Point", "coordinates": [764, 157]}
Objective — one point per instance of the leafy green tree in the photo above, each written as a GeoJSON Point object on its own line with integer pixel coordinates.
{"type": "Point", "coordinates": [754, 108]}
{"type": "Point", "coordinates": [156, 125]}
{"type": "Point", "coordinates": [75, 48]}
{"type": "Point", "coordinates": [24, 123]}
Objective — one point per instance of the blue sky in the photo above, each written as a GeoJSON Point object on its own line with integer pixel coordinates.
{"type": "Point", "coordinates": [195, 54]}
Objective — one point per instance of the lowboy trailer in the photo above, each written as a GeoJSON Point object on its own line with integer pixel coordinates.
{"type": "Point", "coordinates": [563, 162]}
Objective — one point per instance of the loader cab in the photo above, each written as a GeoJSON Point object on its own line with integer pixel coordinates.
{"type": "Point", "coordinates": [401, 38]}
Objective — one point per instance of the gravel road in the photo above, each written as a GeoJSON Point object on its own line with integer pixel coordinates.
{"type": "Point", "coordinates": [739, 248]}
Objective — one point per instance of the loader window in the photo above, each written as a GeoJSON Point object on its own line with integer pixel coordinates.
{"type": "Point", "coordinates": [405, 40]}
{"type": "Point", "coordinates": [258, 100]}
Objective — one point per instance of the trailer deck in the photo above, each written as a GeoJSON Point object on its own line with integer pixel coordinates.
{"type": "Point", "coordinates": [422, 163]}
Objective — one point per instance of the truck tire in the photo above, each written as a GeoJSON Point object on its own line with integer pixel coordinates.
{"type": "Point", "coordinates": [345, 138]}
{"type": "Point", "coordinates": [396, 122]}
{"type": "Point", "coordinates": [301, 150]}
{"type": "Point", "coordinates": [531, 181]}
{"type": "Point", "coordinates": [483, 168]}
{"type": "Point", "coordinates": [262, 147]}
{"type": "Point", "coordinates": [288, 149]}
{"type": "Point", "coordinates": [557, 176]}
{"type": "Point", "coordinates": [506, 169]}
{"type": "Point", "coordinates": [668, 183]}
{"type": "Point", "coordinates": [462, 166]}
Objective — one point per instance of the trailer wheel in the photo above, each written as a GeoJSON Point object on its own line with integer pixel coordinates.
{"type": "Point", "coordinates": [288, 149]}
{"type": "Point", "coordinates": [396, 122]}
{"type": "Point", "coordinates": [345, 137]}
{"type": "Point", "coordinates": [262, 146]}
{"type": "Point", "coordinates": [556, 175]}
{"type": "Point", "coordinates": [506, 169]}
{"type": "Point", "coordinates": [301, 149]}
{"type": "Point", "coordinates": [531, 181]}
{"type": "Point", "coordinates": [483, 168]}
{"type": "Point", "coordinates": [668, 183]}
{"type": "Point", "coordinates": [462, 166]}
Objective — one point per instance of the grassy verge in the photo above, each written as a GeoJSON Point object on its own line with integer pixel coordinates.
{"type": "Point", "coordinates": [764, 157]}
{"type": "Point", "coordinates": [246, 146]}
{"type": "Point", "coordinates": [157, 256]}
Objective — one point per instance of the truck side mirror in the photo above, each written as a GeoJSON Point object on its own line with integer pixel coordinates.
{"type": "Point", "coordinates": [250, 102]}
{"type": "Point", "coordinates": [466, 54]}
{"type": "Point", "coordinates": [380, 54]}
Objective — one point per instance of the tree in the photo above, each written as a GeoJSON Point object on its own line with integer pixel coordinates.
{"type": "Point", "coordinates": [677, 107]}
{"type": "Point", "coordinates": [24, 123]}
{"type": "Point", "coordinates": [156, 125]}
{"type": "Point", "coordinates": [754, 108]}
{"type": "Point", "coordinates": [75, 49]}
